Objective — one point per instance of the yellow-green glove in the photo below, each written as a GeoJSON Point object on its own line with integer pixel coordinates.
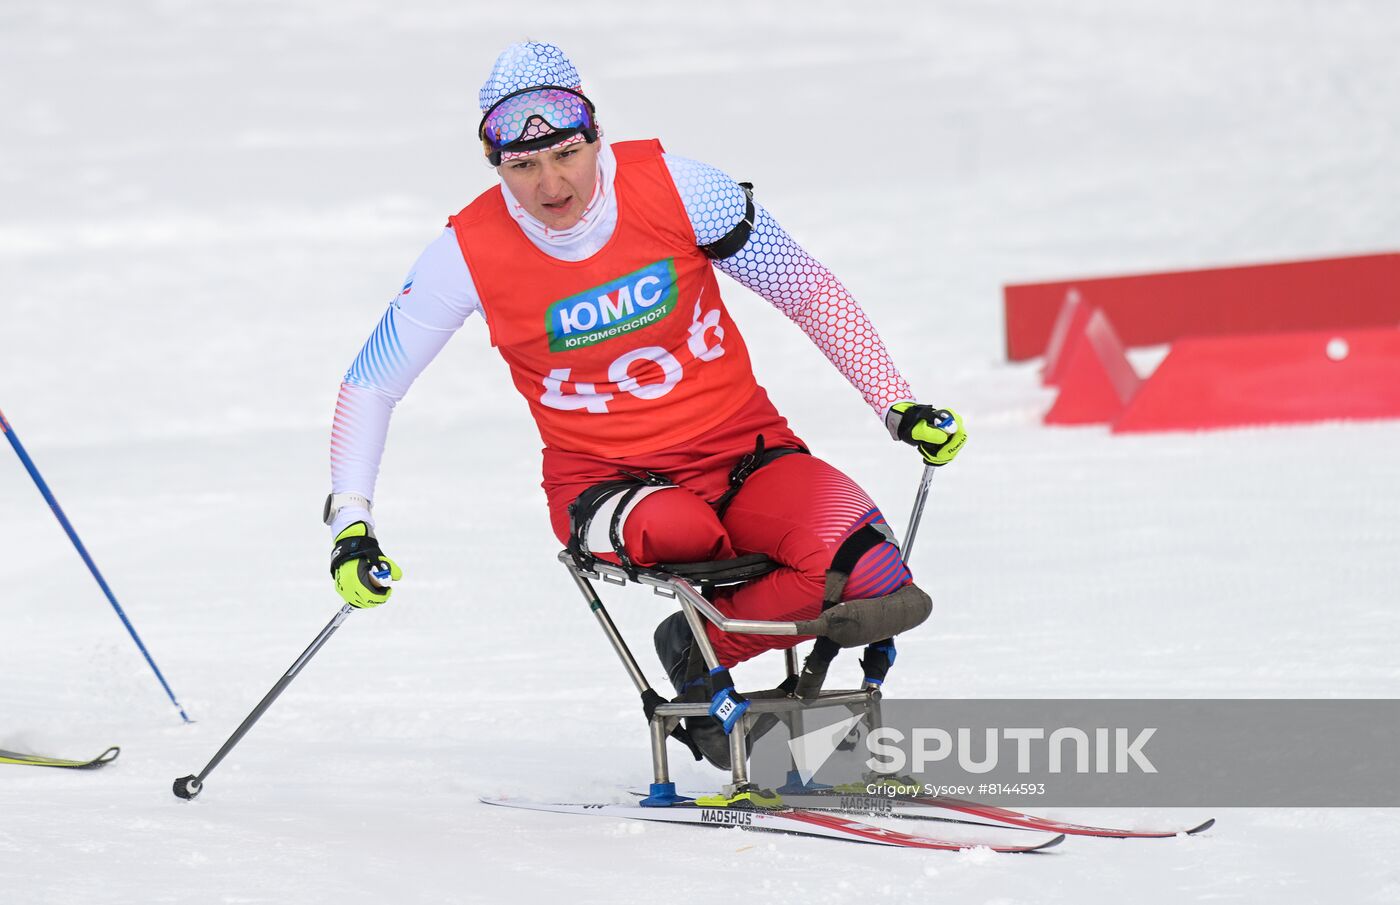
{"type": "Point", "coordinates": [938, 433]}
{"type": "Point", "coordinates": [361, 571]}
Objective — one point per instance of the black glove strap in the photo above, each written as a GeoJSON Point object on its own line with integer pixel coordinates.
{"type": "Point", "coordinates": [354, 548]}
{"type": "Point", "coordinates": [910, 418]}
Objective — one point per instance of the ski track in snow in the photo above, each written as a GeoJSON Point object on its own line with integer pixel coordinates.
{"type": "Point", "coordinates": [207, 207]}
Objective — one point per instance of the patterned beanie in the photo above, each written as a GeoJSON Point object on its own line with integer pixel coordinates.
{"type": "Point", "coordinates": [527, 65]}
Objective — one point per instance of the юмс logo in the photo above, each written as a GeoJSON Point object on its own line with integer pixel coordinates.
{"type": "Point", "coordinates": [613, 309]}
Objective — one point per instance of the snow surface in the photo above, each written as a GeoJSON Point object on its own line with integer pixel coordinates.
{"type": "Point", "coordinates": [206, 206]}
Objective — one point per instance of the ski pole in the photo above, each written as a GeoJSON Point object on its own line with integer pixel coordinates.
{"type": "Point", "coordinates": [918, 513]}
{"type": "Point", "coordinates": [48, 496]}
{"type": "Point", "coordinates": [948, 422]}
{"type": "Point", "coordinates": [187, 787]}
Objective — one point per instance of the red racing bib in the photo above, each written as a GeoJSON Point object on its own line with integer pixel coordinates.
{"type": "Point", "coordinates": [626, 352]}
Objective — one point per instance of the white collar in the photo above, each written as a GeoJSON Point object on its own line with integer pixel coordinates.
{"type": "Point", "coordinates": [599, 210]}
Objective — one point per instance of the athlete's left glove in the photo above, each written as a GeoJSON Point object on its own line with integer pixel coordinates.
{"type": "Point", "coordinates": [361, 571]}
{"type": "Point", "coordinates": [938, 433]}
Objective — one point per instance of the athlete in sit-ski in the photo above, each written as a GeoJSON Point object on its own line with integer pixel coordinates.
{"type": "Point", "coordinates": [593, 265]}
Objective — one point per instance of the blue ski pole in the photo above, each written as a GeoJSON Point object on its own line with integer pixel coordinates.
{"type": "Point", "coordinates": [9, 433]}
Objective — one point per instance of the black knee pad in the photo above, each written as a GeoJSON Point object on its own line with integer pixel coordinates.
{"type": "Point", "coordinates": [858, 622]}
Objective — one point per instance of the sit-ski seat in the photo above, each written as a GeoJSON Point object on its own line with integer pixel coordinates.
{"type": "Point", "coordinates": [689, 585]}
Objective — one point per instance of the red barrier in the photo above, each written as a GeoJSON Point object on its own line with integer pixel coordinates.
{"type": "Point", "coordinates": [1212, 382]}
{"type": "Point", "coordinates": [1329, 294]}
{"type": "Point", "coordinates": [1097, 382]}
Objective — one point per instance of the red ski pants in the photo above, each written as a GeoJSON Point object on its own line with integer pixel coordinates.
{"type": "Point", "coordinates": [796, 510]}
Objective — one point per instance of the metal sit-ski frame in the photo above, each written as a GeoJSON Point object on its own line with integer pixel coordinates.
{"type": "Point", "coordinates": [686, 584]}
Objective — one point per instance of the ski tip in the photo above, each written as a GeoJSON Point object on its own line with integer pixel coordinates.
{"type": "Point", "coordinates": [1048, 843]}
{"type": "Point", "coordinates": [106, 757]}
{"type": "Point", "coordinates": [1202, 828]}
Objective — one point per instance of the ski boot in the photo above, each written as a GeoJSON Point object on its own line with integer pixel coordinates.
{"type": "Point", "coordinates": [676, 647]}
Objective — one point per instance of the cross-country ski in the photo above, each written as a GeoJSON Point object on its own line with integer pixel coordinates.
{"type": "Point", "coordinates": [793, 821]}
{"type": "Point", "coordinates": [938, 809]}
{"type": "Point", "coordinates": [39, 760]}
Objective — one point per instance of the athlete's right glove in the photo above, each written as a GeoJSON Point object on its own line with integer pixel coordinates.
{"type": "Point", "coordinates": [938, 433]}
{"type": "Point", "coordinates": [361, 571]}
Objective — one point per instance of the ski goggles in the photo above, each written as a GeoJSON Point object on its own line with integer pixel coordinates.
{"type": "Point", "coordinates": [536, 118]}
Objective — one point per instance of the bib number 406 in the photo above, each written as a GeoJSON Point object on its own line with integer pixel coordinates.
{"type": "Point", "coordinates": [586, 396]}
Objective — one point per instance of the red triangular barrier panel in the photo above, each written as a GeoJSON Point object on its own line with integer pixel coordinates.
{"type": "Point", "coordinates": [1096, 380]}
{"type": "Point", "coordinates": [1069, 323]}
